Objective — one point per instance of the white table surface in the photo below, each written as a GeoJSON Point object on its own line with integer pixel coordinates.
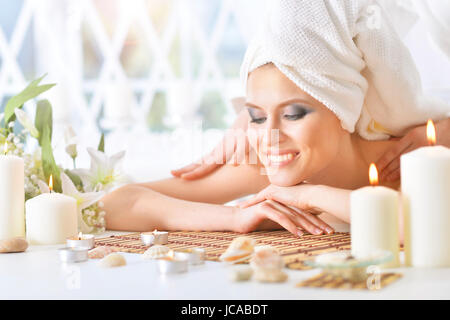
{"type": "Point", "coordinates": [38, 274]}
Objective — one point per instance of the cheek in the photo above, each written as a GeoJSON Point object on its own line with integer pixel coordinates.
{"type": "Point", "coordinates": [319, 142]}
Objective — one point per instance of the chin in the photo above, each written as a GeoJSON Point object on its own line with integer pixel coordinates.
{"type": "Point", "coordinates": [284, 179]}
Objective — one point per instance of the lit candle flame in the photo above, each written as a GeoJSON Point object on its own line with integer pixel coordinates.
{"type": "Point", "coordinates": [5, 148]}
{"type": "Point", "coordinates": [171, 254]}
{"type": "Point", "coordinates": [431, 133]}
{"type": "Point", "coordinates": [373, 174]}
{"type": "Point", "coordinates": [50, 183]}
{"type": "Point", "coordinates": [80, 235]}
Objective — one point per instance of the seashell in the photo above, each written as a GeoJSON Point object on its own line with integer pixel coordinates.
{"type": "Point", "coordinates": [240, 249]}
{"type": "Point", "coordinates": [100, 252]}
{"type": "Point", "coordinates": [13, 245]}
{"type": "Point", "coordinates": [156, 252]}
{"type": "Point", "coordinates": [241, 274]}
{"type": "Point", "coordinates": [242, 243]}
{"type": "Point", "coordinates": [112, 260]}
{"type": "Point", "coordinates": [266, 257]}
{"type": "Point", "coordinates": [267, 265]}
{"type": "Point", "coordinates": [270, 275]}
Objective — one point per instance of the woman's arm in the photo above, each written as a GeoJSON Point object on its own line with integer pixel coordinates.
{"type": "Point", "coordinates": [223, 185]}
{"type": "Point", "coordinates": [174, 204]}
{"type": "Point", "coordinates": [137, 208]}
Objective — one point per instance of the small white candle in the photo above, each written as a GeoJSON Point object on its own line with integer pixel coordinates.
{"type": "Point", "coordinates": [51, 218]}
{"type": "Point", "coordinates": [161, 237]}
{"type": "Point", "coordinates": [374, 220]}
{"type": "Point", "coordinates": [12, 196]}
{"type": "Point", "coordinates": [172, 264]}
{"type": "Point", "coordinates": [425, 175]}
{"type": "Point", "coordinates": [81, 241]}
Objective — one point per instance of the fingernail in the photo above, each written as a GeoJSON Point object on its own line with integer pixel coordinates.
{"type": "Point", "coordinates": [299, 233]}
{"type": "Point", "coordinates": [329, 230]}
{"type": "Point", "coordinates": [318, 231]}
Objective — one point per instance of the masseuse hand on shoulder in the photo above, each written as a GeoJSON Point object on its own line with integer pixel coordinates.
{"type": "Point", "coordinates": [389, 163]}
{"type": "Point", "coordinates": [233, 149]}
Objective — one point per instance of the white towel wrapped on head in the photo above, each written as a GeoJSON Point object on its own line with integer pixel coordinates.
{"type": "Point", "coordinates": [347, 55]}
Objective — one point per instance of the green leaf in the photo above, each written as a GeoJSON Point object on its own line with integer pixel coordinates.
{"type": "Point", "coordinates": [101, 145]}
{"type": "Point", "coordinates": [44, 119]}
{"type": "Point", "coordinates": [30, 92]}
{"type": "Point", "coordinates": [48, 161]}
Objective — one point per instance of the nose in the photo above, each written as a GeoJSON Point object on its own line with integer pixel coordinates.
{"type": "Point", "coordinates": [272, 134]}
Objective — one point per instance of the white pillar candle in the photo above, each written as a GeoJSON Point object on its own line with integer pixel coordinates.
{"type": "Point", "coordinates": [12, 197]}
{"type": "Point", "coordinates": [425, 175]}
{"type": "Point", "coordinates": [51, 218]}
{"type": "Point", "coordinates": [374, 222]}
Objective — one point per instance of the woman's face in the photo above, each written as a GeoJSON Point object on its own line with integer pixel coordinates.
{"type": "Point", "coordinates": [296, 136]}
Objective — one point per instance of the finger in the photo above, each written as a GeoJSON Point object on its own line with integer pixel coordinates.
{"type": "Point", "coordinates": [188, 168]}
{"type": "Point", "coordinates": [393, 153]}
{"type": "Point", "coordinates": [319, 222]}
{"type": "Point", "coordinates": [200, 172]}
{"type": "Point", "coordinates": [280, 218]}
{"type": "Point", "coordinates": [394, 165]}
{"type": "Point", "coordinates": [228, 146]}
{"type": "Point", "coordinates": [392, 171]}
{"type": "Point", "coordinates": [233, 161]}
{"type": "Point", "coordinates": [393, 176]}
{"type": "Point", "coordinates": [242, 149]}
{"type": "Point", "coordinates": [300, 220]}
{"type": "Point", "coordinates": [252, 201]}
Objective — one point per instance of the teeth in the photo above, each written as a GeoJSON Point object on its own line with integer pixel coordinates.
{"type": "Point", "coordinates": [281, 158]}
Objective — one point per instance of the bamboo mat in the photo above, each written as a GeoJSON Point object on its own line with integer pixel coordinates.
{"type": "Point", "coordinates": [327, 281]}
{"type": "Point", "coordinates": [294, 250]}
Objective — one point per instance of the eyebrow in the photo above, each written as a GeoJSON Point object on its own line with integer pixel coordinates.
{"type": "Point", "coordinates": [286, 102]}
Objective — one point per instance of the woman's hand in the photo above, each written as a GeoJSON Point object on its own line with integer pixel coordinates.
{"type": "Point", "coordinates": [295, 221]}
{"type": "Point", "coordinates": [233, 149]}
{"type": "Point", "coordinates": [308, 198]}
{"type": "Point", "coordinates": [389, 163]}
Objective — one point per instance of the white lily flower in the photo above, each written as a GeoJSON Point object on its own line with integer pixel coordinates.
{"type": "Point", "coordinates": [43, 187]}
{"type": "Point", "coordinates": [70, 139]}
{"type": "Point", "coordinates": [83, 200]}
{"type": "Point", "coordinates": [26, 122]}
{"type": "Point", "coordinates": [104, 170]}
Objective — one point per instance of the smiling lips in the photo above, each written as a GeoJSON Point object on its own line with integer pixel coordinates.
{"type": "Point", "coordinates": [280, 159]}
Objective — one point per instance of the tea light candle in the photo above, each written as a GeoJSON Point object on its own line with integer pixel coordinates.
{"type": "Point", "coordinates": [172, 264]}
{"type": "Point", "coordinates": [12, 196]}
{"type": "Point", "coordinates": [70, 255]}
{"type": "Point", "coordinates": [374, 220]}
{"type": "Point", "coordinates": [425, 174]}
{"type": "Point", "coordinates": [161, 237]}
{"type": "Point", "coordinates": [51, 218]}
{"type": "Point", "coordinates": [81, 241]}
{"type": "Point", "coordinates": [194, 255]}
{"type": "Point", "coordinates": [147, 238]}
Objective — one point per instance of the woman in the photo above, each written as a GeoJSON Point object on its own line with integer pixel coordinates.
{"type": "Point", "coordinates": [318, 111]}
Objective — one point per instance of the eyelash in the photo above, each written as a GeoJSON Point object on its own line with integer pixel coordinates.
{"type": "Point", "coordinates": [258, 120]}
{"type": "Point", "coordinates": [290, 117]}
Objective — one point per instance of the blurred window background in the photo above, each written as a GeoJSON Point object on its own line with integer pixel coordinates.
{"type": "Point", "coordinates": [157, 76]}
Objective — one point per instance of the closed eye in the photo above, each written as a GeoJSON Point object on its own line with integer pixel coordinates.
{"type": "Point", "coordinates": [256, 116]}
{"type": "Point", "coordinates": [295, 112]}
{"type": "Point", "coordinates": [258, 121]}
